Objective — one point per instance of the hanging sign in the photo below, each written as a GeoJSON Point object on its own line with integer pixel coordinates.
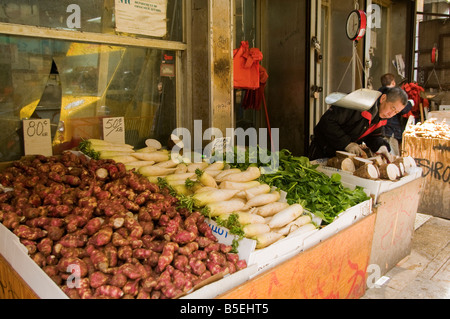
{"type": "Point", "coordinates": [37, 137]}
{"type": "Point", "coordinates": [114, 129]}
{"type": "Point", "coordinates": [145, 17]}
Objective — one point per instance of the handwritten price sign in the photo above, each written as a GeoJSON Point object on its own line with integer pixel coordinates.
{"type": "Point", "coordinates": [114, 129]}
{"type": "Point", "coordinates": [37, 137]}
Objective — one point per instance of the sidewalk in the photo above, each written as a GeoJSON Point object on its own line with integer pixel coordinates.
{"type": "Point", "coordinates": [425, 273]}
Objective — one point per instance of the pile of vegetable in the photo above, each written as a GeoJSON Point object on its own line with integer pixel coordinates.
{"type": "Point", "coordinates": [324, 196]}
{"type": "Point", "coordinates": [431, 128]}
{"type": "Point", "coordinates": [120, 234]}
{"type": "Point", "coordinates": [374, 167]}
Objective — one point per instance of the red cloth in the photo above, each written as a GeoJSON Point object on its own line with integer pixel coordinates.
{"type": "Point", "coordinates": [254, 98]}
{"type": "Point", "coordinates": [246, 67]}
{"type": "Point", "coordinates": [413, 90]}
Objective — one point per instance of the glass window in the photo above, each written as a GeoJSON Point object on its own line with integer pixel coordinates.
{"type": "Point", "coordinates": [146, 18]}
{"type": "Point", "coordinates": [76, 84]}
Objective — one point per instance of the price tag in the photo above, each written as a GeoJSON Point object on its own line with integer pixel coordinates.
{"type": "Point", "coordinates": [37, 137]}
{"type": "Point", "coordinates": [114, 130]}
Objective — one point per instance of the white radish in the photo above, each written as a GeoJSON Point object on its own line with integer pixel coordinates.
{"type": "Point", "coordinates": [193, 166]}
{"type": "Point", "coordinates": [303, 230]}
{"type": "Point", "coordinates": [167, 164]}
{"type": "Point", "coordinates": [122, 159]}
{"type": "Point", "coordinates": [216, 195]}
{"type": "Point", "coordinates": [153, 143]}
{"type": "Point", "coordinates": [206, 179]}
{"type": "Point", "coordinates": [140, 163]}
{"type": "Point", "coordinates": [265, 239]}
{"type": "Point", "coordinates": [157, 156]}
{"type": "Point", "coordinates": [216, 166]}
{"type": "Point", "coordinates": [263, 199]}
{"type": "Point", "coordinates": [295, 224]}
{"type": "Point", "coordinates": [224, 207]}
{"type": "Point", "coordinates": [181, 176]}
{"type": "Point", "coordinates": [257, 190]}
{"type": "Point", "coordinates": [245, 218]}
{"type": "Point", "coordinates": [226, 172]}
{"type": "Point", "coordinates": [181, 168]}
{"type": "Point", "coordinates": [251, 173]}
{"type": "Point", "coordinates": [271, 208]}
{"type": "Point", "coordinates": [213, 173]}
{"type": "Point", "coordinates": [205, 189]}
{"type": "Point", "coordinates": [152, 170]}
{"type": "Point", "coordinates": [286, 216]}
{"type": "Point", "coordinates": [146, 150]}
{"type": "Point", "coordinates": [252, 230]}
{"type": "Point", "coordinates": [237, 185]}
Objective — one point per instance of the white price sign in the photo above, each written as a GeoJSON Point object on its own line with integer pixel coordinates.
{"type": "Point", "coordinates": [37, 137]}
{"type": "Point", "coordinates": [114, 129]}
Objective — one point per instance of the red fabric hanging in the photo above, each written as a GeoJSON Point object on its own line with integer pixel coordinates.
{"type": "Point", "coordinates": [246, 67]}
{"type": "Point", "coordinates": [413, 90]}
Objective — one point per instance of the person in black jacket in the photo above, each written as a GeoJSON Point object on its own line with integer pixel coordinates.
{"type": "Point", "coordinates": [343, 129]}
{"type": "Point", "coordinates": [393, 130]}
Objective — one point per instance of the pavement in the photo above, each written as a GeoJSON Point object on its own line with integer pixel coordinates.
{"type": "Point", "coordinates": [425, 272]}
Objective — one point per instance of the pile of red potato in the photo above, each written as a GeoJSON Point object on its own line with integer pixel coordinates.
{"type": "Point", "coordinates": [109, 232]}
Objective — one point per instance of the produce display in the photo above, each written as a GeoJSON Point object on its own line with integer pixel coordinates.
{"type": "Point", "coordinates": [375, 167]}
{"type": "Point", "coordinates": [431, 128]}
{"type": "Point", "coordinates": [232, 197]}
{"type": "Point", "coordinates": [119, 234]}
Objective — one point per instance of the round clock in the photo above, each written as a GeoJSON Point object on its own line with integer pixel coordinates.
{"type": "Point", "coordinates": [356, 25]}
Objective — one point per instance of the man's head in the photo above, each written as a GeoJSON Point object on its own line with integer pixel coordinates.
{"type": "Point", "coordinates": [388, 80]}
{"type": "Point", "coordinates": [391, 102]}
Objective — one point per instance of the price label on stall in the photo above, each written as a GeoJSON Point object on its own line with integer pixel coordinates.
{"type": "Point", "coordinates": [37, 137]}
{"type": "Point", "coordinates": [114, 129]}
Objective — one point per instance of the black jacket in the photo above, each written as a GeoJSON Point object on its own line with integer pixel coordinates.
{"type": "Point", "coordinates": [340, 126]}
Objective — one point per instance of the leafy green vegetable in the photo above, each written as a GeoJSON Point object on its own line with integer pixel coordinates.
{"type": "Point", "coordinates": [85, 147]}
{"type": "Point", "coordinates": [234, 226]}
{"type": "Point", "coordinates": [324, 196]}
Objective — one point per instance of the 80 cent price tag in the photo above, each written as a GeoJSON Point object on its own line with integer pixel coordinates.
{"type": "Point", "coordinates": [37, 137]}
{"type": "Point", "coordinates": [114, 130]}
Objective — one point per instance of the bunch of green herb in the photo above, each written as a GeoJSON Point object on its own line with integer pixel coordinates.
{"type": "Point", "coordinates": [234, 226]}
{"type": "Point", "coordinates": [85, 147]}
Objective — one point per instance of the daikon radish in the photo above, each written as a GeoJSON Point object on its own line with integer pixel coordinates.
{"type": "Point", "coordinates": [181, 168]}
{"type": "Point", "coordinates": [257, 190]}
{"type": "Point", "coordinates": [263, 199]}
{"type": "Point", "coordinates": [152, 170]}
{"type": "Point", "coordinates": [112, 148]}
{"type": "Point", "coordinates": [237, 185]}
{"type": "Point", "coordinates": [245, 217]}
{"type": "Point", "coordinates": [271, 209]}
{"type": "Point", "coordinates": [146, 150]}
{"type": "Point", "coordinates": [226, 172]}
{"type": "Point", "coordinates": [193, 166]}
{"type": "Point", "coordinates": [295, 224]}
{"type": "Point", "coordinates": [123, 159]}
{"type": "Point", "coordinates": [154, 179]}
{"type": "Point", "coordinates": [202, 189]}
{"type": "Point", "coordinates": [109, 154]}
{"type": "Point", "coordinates": [153, 143]}
{"type": "Point", "coordinates": [215, 166]}
{"type": "Point", "coordinates": [303, 230]}
{"type": "Point", "coordinates": [167, 164]}
{"type": "Point", "coordinates": [181, 176]}
{"type": "Point", "coordinates": [97, 142]}
{"type": "Point", "coordinates": [367, 171]}
{"type": "Point", "coordinates": [286, 216]}
{"type": "Point", "coordinates": [266, 239]}
{"type": "Point", "coordinates": [389, 171]}
{"type": "Point", "coordinates": [204, 178]}
{"type": "Point", "coordinates": [182, 189]}
{"type": "Point", "coordinates": [250, 174]}
{"type": "Point", "coordinates": [216, 195]}
{"type": "Point", "coordinates": [213, 173]}
{"type": "Point", "coordinates": [156, 156]}
{"type": "Point", "coordinates": [224, 207]}
{"type": "Point", "coordinates": [252, 230]}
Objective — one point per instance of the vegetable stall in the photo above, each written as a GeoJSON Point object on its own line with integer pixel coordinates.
{"type": "Point", "coordinates": [124, 223]}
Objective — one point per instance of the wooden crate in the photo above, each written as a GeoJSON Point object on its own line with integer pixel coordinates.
{"type": "Point", "coordinates": [335, 268]}
{"type": "Point", "coordinates": [12, 286]}
{"type": "Point", "coordinates": [433, 156]}
{"type": "Point", "coordinates": [394, 226]}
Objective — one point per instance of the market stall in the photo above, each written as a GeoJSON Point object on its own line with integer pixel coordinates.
{"type": "Point", "coordinates": [238, 240]}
